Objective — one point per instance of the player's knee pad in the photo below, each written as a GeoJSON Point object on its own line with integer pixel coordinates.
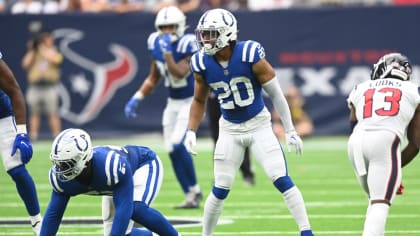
{"type": "Point", "coordinates": [224, 180]}
{"type": "Point", "coordinates": [18, 172]}
{"type": "Point", "coordinates": [284, 183]}
{"type": "Point", "coordinates": [220, 193]}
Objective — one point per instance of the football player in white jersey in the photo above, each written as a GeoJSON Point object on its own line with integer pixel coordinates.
{"type": "Point", "coordinates": [128, 178]}
{"type": "Point", "coordinates": [171, 51]}
{"type": "Point", "coordinates": [237, 72]}
{"type": "Point", "coordinates": [15, 146]}
{"type": "Point", "coordinates": [380, 110]}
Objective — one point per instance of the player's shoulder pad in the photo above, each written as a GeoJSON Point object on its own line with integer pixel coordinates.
{"type": "Point", "coordinates": [151, 41]}
{"type": "Point", "coordinates": [197, 62]}
{"type": "Point", "coordinates": [187, 44]}
{"type": "Point", "coordinates": [55, 184]}
{"type": "Point", "coordinates": [252, 51]}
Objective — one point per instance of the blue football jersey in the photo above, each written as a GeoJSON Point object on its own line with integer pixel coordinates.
{"type": "Point", "coordinates": [238, 91]}
{"type": "Point", "coordinates": [5, 103]}
{"type": "Point", "coordinates": [110, 165]}
{"type": "Point", "coordinates": [112, 174]}
{"type": "Point", "coordinates": [184, 47]}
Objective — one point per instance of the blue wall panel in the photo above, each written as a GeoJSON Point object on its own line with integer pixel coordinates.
{"type": "Point", "coordinates": [325, 52]}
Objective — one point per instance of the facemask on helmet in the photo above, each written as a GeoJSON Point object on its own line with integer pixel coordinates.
{"type": "Point", "coordinates": [392, 65]}
{"type": "Point", "coordinates": [215, 30]}
{"type": "Point", "coordinates": [70, 152]}
{"type": "Point", "coordinates": [171, 16]}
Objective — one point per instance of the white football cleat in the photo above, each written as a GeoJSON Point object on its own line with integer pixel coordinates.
{"type": "Point", "coordinates": [36, 227]}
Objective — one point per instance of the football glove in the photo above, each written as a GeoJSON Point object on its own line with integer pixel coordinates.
{"type": "Point", "coordinates": [24, 145]}
{"type": "Point", "coordinates": [292, 138]}
{"type": "Point", "coordinates": [190, 142]}
{"type": "Point", "coordinates": [131, 107]}
{"type": "Point", "coordinates": [165, 43]}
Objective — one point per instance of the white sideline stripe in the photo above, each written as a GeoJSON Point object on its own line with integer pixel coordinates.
{"type": "Point", "coordinates": [218, 233]}
{"type": "Point", "coordinates": [245, 204]}
{"type": "Point", "coordinates": [318, 216]}
{"type": "Point", "coordinates": [277, 204]}
{"type": "Point", "coordinates": [227, 219]}
{"type": "Point", "coordinates": [353, 232]}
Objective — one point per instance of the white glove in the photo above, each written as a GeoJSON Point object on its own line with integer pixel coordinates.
{"type": "Point", "coordinates": [190, 142]}
{"type": "Point", "coordinates": [292, 138]}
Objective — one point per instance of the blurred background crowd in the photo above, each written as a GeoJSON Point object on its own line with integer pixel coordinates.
{"type": "Point", "coordinates": [121, 6]}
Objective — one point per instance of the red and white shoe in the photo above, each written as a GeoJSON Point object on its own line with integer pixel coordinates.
{"type": "Point", "coordinates": [400, 190]}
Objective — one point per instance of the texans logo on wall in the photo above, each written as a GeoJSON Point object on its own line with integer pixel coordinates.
{"type": "Point", "coordinates": [90, 85]}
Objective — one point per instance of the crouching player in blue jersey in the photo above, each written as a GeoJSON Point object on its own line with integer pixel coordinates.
{"type": "Point", "coordinates": [171, 50]}
{"type": "Point", "coordinates": [129, 179]}
{"type": "Point", "coordinates": [15, 146]}
{"type": "Point", "coordinates": [237, 72]}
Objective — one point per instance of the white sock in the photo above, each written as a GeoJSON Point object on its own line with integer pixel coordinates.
{"type": "Point", "coordinates": [36, 222]}
{"type": "Point", "coordinates": [195, 189]}
{"type": "Point", "coordinates": [35, 218]}
{"type": "Point", "coordinates": [212, 210]}
{"type": "Point", "coordinates": [294, 202]}
{"type": "Point", "coordinates": [376, 220]}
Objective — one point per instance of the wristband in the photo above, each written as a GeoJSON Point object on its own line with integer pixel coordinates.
{"type": "Point", "coordinates": [21, 129]}
{"type": "Point", "coordinates": [138, 95]}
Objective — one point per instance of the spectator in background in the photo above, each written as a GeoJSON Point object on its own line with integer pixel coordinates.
{"type": "Point", "coordinates": [2, 5]}
{"type": "Point", "coordinates": [213, 114]}
{"type": "Point", "coordinates": [42, 63]}
{"type": "Point", "coordinates": [183, 5]}
{"type": "Point", "coordinates": [94, 6]}
{"type": "Point", "coordinates": [406, 2]}
{"type": "Point", "coordinates": [68, 6]}
{"type": "Point", "coordinates": [264, 5]}
{"type": "Point", "coordinates": [303, 123]}
{"type": "Point", "coordinates": [231, 5]}
{"type": "Point", "coordinates": [188, 5]}
{"type": "Point", "coordinates": [27, 7]}
{"type": "Point", "coordinates": [36, 7]}
{"type": "Point", "coordinates": [121, 6]}
{"type": "Point", "coordinates": [15, 146]}
{"type": "Point", "coordinates": [51, 7]}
